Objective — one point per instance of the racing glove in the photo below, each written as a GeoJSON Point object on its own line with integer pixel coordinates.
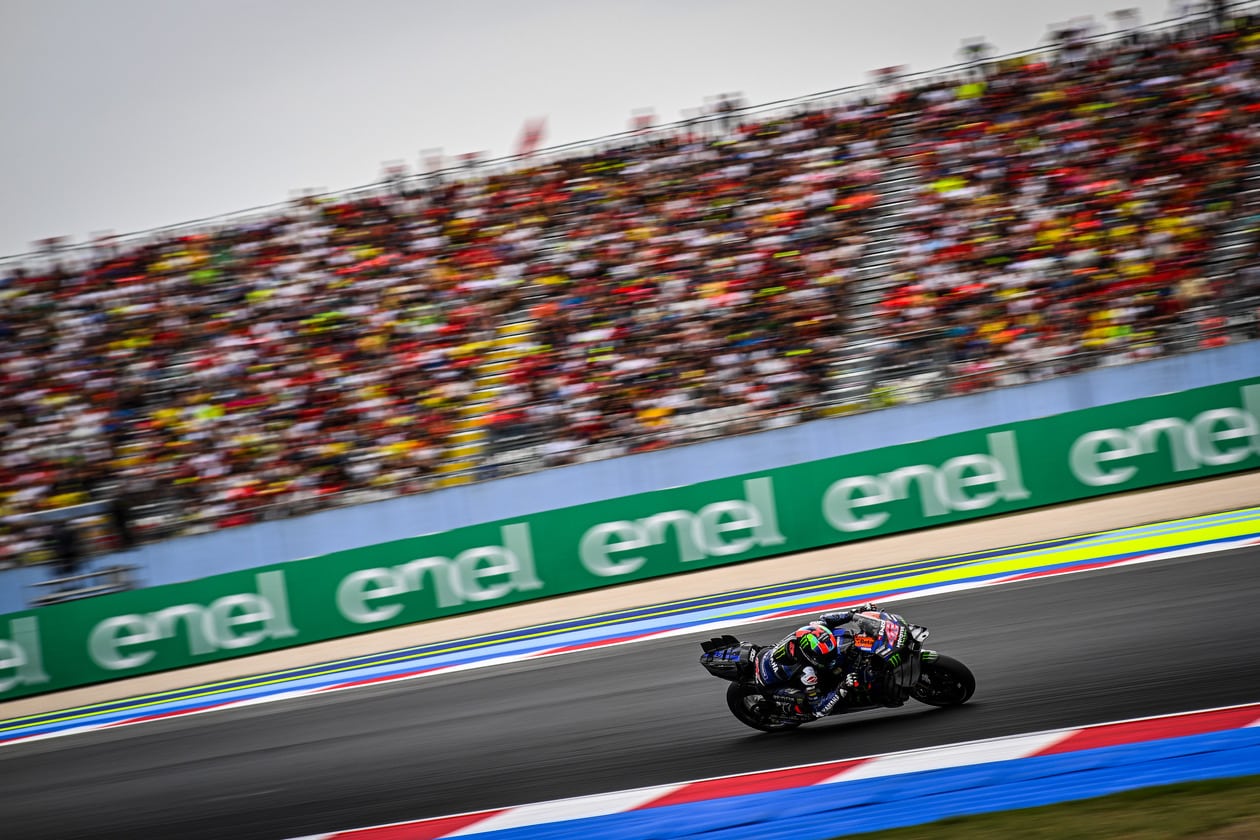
{"type": "Point", "coordinates": [835, 619]}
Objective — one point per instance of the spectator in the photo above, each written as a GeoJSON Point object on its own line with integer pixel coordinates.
{"type": "Point", "coordinates": [344, 350]}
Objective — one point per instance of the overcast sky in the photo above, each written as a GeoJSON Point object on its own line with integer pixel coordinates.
{"type": "Point", "coordinates": [121, 115]}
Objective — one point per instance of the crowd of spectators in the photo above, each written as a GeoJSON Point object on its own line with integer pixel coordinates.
{"type": "Point", "coordinates": [330, 352]}
{"type": "Point", "coordinates": [265, 367]}
{"type": "Point", "coordinates": [1070, 211]}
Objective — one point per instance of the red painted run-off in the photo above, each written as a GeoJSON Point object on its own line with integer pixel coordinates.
{"type": "Point", "coordinates": [1079, 567]}
{"type": "Point", "coordinates": [598, 643]}
{"type": "Point", "coordinates": [766, 782]}
{"type": "Point", "coordinates": [1196, 723]}
{"type": "Point", "coordinates": [1103, 735]}
{"type": "Point", "coordinates": [424, 830]}
{"type": "Point", "coordinates": [379, 679]}
{"type": "Point", "coordinates": [161, 716]}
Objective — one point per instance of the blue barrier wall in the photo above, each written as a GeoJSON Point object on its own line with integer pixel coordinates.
{"type": "Point", "coordinates": [253, 545]}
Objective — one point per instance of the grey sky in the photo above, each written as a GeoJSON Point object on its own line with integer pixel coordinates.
{"type": "Point", "coordinates": [128, 114]}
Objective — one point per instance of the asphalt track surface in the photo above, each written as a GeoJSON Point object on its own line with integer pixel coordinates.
{"type": "Point", "coordinates": [1171, 636]}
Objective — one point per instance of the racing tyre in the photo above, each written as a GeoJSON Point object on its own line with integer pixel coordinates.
{"type": "Point", "coordinates": [753, 709]}
{"type": "Point", "coordinates": [945, 682]}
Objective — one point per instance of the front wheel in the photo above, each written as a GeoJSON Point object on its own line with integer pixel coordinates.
{"type": "Point", "coordinates": [944, 682]}
{"type": "Point", "coordinates": [754, 709]}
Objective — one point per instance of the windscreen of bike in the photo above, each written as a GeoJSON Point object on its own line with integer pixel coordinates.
{"type": "Point", "coordinates": [880, 633]}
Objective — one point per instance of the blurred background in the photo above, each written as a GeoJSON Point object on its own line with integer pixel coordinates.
{"type": "Point", "coordinates": [441, 245]}
{"type": "Point", "coordinates": [140, 113]}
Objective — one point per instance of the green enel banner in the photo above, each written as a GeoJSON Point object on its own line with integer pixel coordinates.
{"type": "Point", "coordinates": [1141, 443]}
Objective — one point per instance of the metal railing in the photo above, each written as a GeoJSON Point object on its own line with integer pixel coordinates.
{"type": "Point", "coordinates": [118, 578]}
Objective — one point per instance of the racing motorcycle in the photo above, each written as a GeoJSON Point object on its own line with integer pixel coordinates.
{"type": "Point", "coordinates": [885, 655]}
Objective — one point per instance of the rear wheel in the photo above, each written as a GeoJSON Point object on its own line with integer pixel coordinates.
{"type": "Point", "coordinates": [945, 682]}
{"type": "Point", "coordinates": [754, 709]}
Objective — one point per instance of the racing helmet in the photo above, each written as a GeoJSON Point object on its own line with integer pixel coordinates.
{"type": "Point", "coordinates": [816, 645]}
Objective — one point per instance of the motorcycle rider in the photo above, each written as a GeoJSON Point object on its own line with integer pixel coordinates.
{"type": "Point", "coordinates": [806, 670]}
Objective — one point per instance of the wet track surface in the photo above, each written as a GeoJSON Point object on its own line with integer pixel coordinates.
{"type": "Point", "coordinates": [1171, 636]}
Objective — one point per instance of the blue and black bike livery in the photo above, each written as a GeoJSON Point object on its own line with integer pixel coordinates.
{"type": "Point", "coordinates": [883, 651]}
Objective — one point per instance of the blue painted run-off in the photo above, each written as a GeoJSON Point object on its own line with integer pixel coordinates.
{"type": "Point", "coordinates": [822, 812]}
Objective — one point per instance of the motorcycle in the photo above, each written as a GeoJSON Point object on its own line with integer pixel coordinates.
{"type": "Point", "coordinates": [887, 660]}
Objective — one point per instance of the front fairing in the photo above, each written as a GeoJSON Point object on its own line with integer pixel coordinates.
{"type": "Point", "coordinates": [880, 634]}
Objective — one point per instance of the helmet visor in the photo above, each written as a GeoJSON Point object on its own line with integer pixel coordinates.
{"type": "Point", "coordinates": [817, 646]}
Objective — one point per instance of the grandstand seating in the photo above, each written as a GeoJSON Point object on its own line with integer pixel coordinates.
{"type": "Point", "coordinates": [993, 225]}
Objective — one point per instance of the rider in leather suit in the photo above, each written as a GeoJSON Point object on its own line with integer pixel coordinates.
{"type": "Point", "coordinates": [806, 671]}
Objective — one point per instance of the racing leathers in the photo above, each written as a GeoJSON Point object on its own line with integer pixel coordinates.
{"type": "Point", "coordinates": [808, 679]}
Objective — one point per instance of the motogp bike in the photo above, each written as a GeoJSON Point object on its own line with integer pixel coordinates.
{"type": "Point", "coordinates": [885, 656]}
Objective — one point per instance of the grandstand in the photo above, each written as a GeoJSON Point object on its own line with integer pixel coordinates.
{"type": "Point", "coordinates": [995, 223]}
